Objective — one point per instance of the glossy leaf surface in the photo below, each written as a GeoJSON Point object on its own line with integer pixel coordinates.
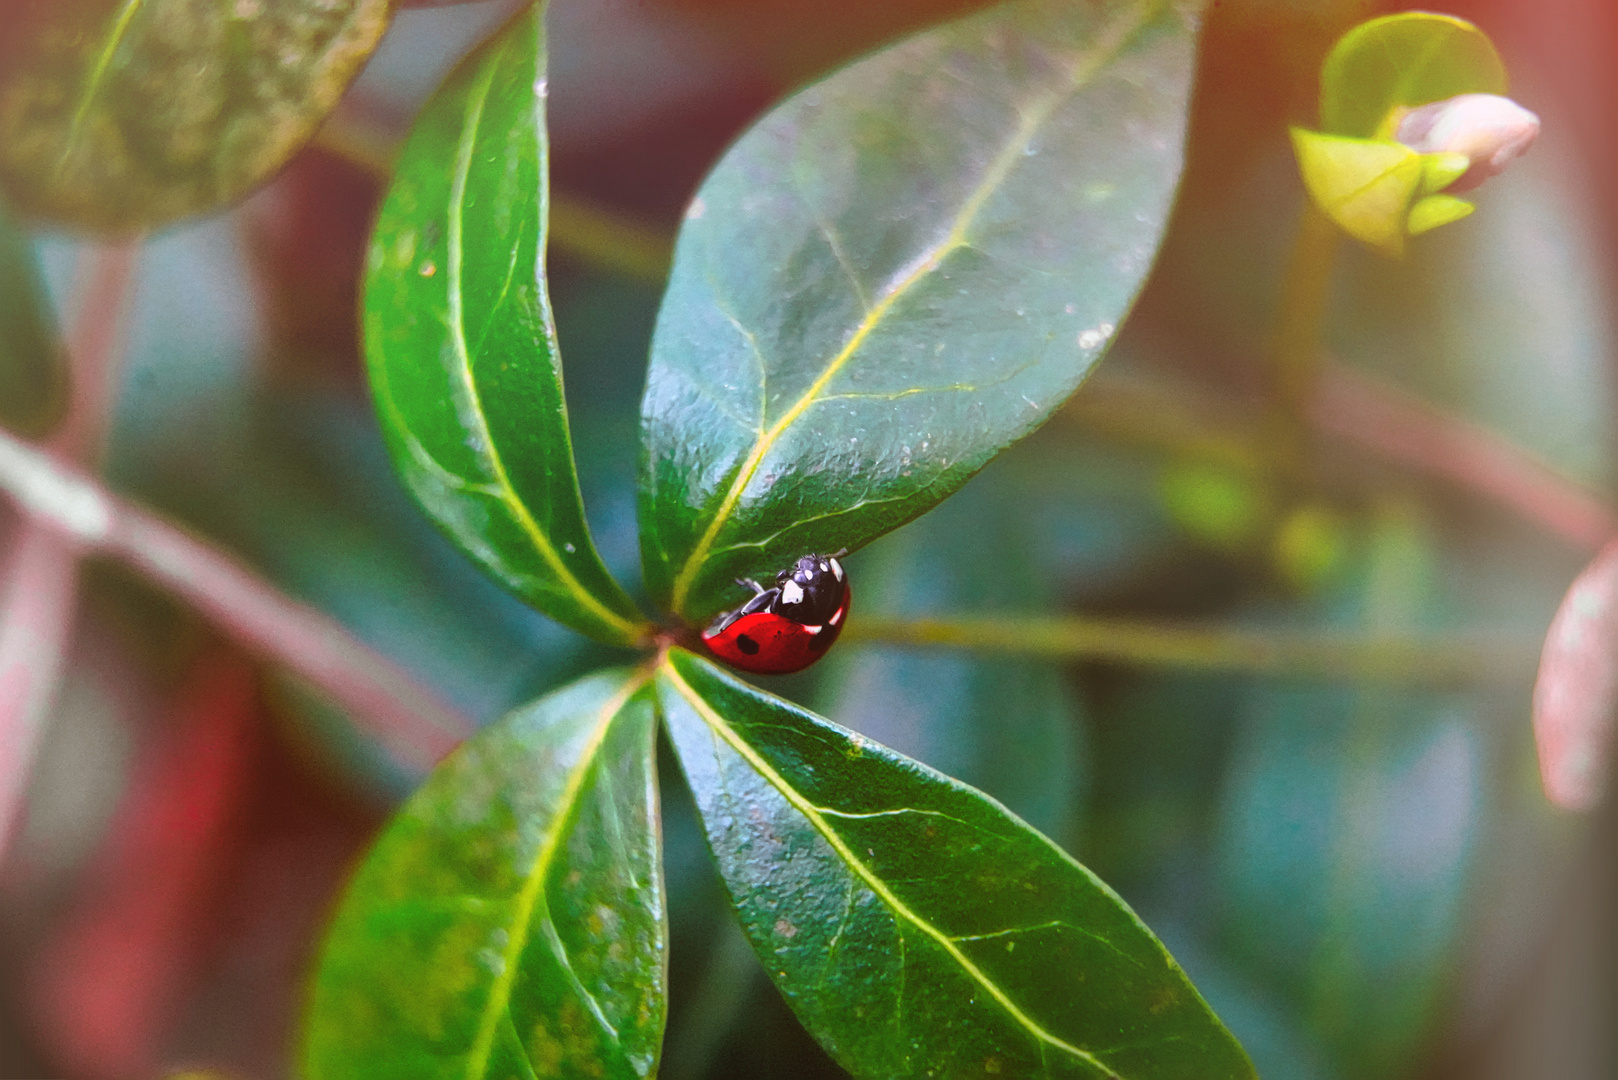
{"type": "Point", "coordinates": [460, 342]}
{"type": "Point", "coordinates": [1399, 61]}
{"type": "Point", "coordinates": [915, 926]}
{"type": "Point", "coordinates": [121, 115]}
{"type": "Point", "coordinates": [896, 274]}
{"type": "Point", "coordinates": [33, 367]}
{"type": "Point", "coordinates": [510, 921]}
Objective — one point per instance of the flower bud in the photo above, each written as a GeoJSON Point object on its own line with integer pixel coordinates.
{"type": "Point", "coordinates": [1492, 131]}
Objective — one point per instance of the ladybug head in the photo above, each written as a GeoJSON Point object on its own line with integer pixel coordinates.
{"type": "Point", "coordinates": [811, 590]}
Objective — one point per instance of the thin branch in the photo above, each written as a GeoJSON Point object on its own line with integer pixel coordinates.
{"type": "Point", "coordinates": [592, 234]}
{"type": "Point", "coordinates": [40, 590]}
{"type": "Point", "coordinates": [1388, 422]}
{"type": "Point", "coordinates": [404, 716]}
{"type": "Point", "coordinates": [38, 597]}
{"type": "Point", "coordinates": [1294, 354]}
{"type": "Point", "coordinates": [1430, 660]}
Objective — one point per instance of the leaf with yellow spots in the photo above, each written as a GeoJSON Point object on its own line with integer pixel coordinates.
{"type": "Point", "coordinates": [510, 920]}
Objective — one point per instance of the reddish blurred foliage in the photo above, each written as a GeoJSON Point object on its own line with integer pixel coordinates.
{"type": "Point", "coordinates": [1577, 690]}
{"type": "Point", "coordinates": [186, 936]}
{"type": "Point", "coordinates": [307, 233]}
{"type": "Point", "coordinates": [108, 981]}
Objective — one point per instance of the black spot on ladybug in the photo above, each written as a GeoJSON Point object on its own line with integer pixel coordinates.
{"type": "Point", "coordinates": [820, 642]}
{"type": "Point", "coordinates": [748, 645]}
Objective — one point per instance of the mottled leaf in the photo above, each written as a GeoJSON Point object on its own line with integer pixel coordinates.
{"type": "Point", "coordinates": [915, 926]}
{"type": "Point", "coordinates": [896, 274]}
{"type": "Point", "coordinates": [460, 341]}
{"type": "Point", "coordinates": [121, 115]}
{"type": "Point", "coordinates": [510, 920]}
{"type": "Point", "coordinates": [33, 367]}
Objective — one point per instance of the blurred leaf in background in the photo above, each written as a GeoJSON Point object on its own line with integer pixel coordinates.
{"type": "Point", "coordinates": [33, 367]}
{"type": "Point", "coordinates": [123, 115]}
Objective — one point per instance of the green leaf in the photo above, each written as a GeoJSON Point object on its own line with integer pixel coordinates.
{"type": "Point", "coordinates": [33, 367]}
{"type": "Point", "coordinates": [510, 921]}
{"type": "Point", "coordinates": [1369, 187]}
{"type": "Point", "coordinates": [898, 273]}
{"type": "Point", "coordinates": [1401, 61]}
{"type": "Point", "coordinates": [916, 926]}
{"type": "Point", "coordinates": [121, 115]}
{"type": "Point", "coordinates": [460, 341]}
{"type": "Point", "coordinates": [1435, 210]}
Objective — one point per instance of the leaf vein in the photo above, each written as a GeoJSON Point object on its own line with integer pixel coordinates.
{"type": "Point", "coordinates": [92, 84]}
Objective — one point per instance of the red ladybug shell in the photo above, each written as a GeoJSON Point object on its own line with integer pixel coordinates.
{"type": "Point", "coordinates": [771, 644]}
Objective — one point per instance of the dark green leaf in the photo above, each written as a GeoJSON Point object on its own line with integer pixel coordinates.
{"type": "Point", "coordinates": [33, 367]}
{"type": "Point", "coordinates": [127, 114]}
{"type": "Point", "coordinates": [461, 346]}
{"type": "Point", "coordinates": [898, 273]}
{"type": "Point", "coordinates": [1399, 61]}
{"type": "Point", "coordinates": [915, 926]}
{"type": "Point", "coordinates": [510, 921]}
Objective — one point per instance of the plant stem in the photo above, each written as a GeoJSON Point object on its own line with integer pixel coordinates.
{"type": "Point", "coordinates": [1295, 348]}
{"type": "Point", "coordinates": [40, 590]}
{"type": "Point", "coordinates": [1403, 428]}
{"type": "Point", "coordinates": [1366, 413]}
{"type": "Point", "coordinates": [406, 717]}
{"type": "Point", "coordinates": [1447, 660]}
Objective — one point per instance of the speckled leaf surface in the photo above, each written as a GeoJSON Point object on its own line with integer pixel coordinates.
{"type": "Point", "coordinates": [510, 921]}
{"type": "Point", "coordinates": [896, 274]}
{"type": "Point", "coordinates": [119, 115]}
{"type": "Point", "coordinates": [33, 367]}
{"type": "Point", "coordinates": [460, 343]}
{"type": "Point", "coordinates": [915, 926]}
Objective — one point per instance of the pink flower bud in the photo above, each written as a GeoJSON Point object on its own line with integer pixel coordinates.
{"type": "Point", "coordinates": [1491, 130]}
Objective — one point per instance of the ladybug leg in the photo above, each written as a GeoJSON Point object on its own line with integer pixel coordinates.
{"type": "Point", "coordinates": [747, 582]}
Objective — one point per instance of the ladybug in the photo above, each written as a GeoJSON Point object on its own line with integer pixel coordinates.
{"type": "Point", "coordinates": [789, 626]}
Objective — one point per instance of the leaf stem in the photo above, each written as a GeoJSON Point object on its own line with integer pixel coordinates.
{"type": "Point", "coordinates": [40, 588]}
{"type": "Point", "coordinates": [1295, 347]}
{"type": "Point", "coordinates": [1362, 411]}
{"type": "Point", "coordinates": [406, 717]}
{"type": "Point", "coordinates": [1423, 659]}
